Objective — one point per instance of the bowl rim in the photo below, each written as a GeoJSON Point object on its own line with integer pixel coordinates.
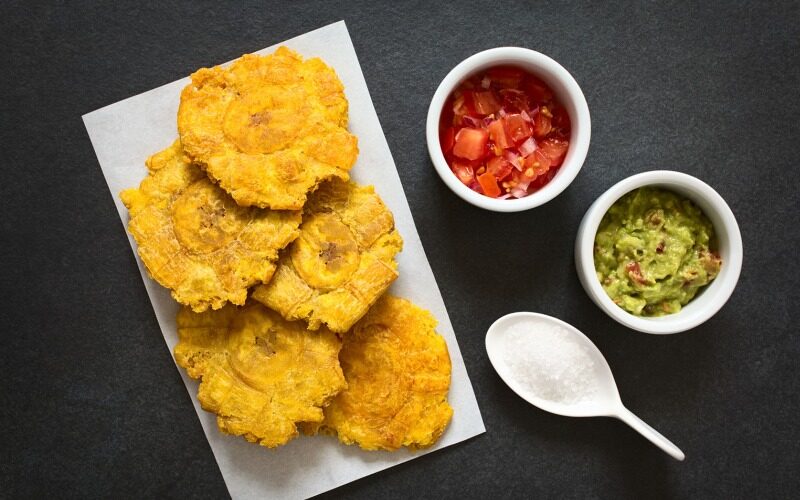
{"type": "Point", "coordinates": [713, 296]}
{"type": "Point", "coordinates": [547, 69]}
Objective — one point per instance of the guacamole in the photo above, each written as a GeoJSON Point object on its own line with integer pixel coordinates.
{"type": "Point", "coordinates": [654, 251]}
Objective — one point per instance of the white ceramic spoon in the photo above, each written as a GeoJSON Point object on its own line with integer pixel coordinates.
{"type": "Point", "coordinates": [605, 401]}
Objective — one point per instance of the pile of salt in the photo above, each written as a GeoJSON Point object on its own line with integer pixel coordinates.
{"type": "Point", "coordinates": [547, 362]}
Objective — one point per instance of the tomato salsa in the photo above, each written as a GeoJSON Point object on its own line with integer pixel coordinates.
{"type": "Point", "coordinates": [503, 132]}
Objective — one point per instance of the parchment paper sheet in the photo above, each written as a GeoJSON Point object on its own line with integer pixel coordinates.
{"type": "Point", "coordinates": [124, 134]}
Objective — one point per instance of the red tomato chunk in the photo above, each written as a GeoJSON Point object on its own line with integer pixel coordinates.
{"type": "Point", "coordinates": [499, 167]}
{"type": "Point", "coordinates": [503, 132]}
{"type": "Point", "coordinates": [488, 183]}
{"type": "Point", "coordinates": [464, 173]}
{"type": "Point", "coordinates": [471, 143]}
{"type": "Point", "coordinates": [517, 127]}
{"type": "Point", "coordinates": [554, 148]}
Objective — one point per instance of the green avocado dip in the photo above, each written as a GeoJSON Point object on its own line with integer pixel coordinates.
{"type": "Point", "coordinates": [654, 251]}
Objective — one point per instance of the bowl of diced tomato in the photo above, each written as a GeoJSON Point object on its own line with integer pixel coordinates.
{"type": "Point", "coordinates": [508, 129]}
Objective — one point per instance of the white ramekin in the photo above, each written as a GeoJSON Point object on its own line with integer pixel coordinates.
{"type": "Point", "coordinates": [567, 92]}
{"type": "Point", "coordinates": [711, 298]}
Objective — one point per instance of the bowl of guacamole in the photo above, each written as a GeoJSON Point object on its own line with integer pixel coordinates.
{"type": "Point", "coordinates": [660, 252]}
{"type": "Point", "coordinates": [653, 251]}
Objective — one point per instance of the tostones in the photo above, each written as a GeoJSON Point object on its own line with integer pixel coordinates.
{"type": "Point", "coordinates": [195, 240]}
{"type": "Point", "coordinates": [260, 374]}
{"type": "Point", "coordinates": [269, 129]}
{"type": "Point", "coordinates": [341, 263]}
{"type": "Point", "coordinates": [398, 374]}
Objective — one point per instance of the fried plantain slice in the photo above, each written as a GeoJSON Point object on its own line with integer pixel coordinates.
{"type": "Point", "coordinates": [195, 240]}
{"type": "Point", "coordinates": [342, 261]}
{"type": "Point", "coordinates": [269, 128]}
{"type": "Point", "coordinates": [398, 374]}
{"type": "Point", "coordinates": [260, 374]}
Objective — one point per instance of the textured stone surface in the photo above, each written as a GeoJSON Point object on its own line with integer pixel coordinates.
{"type": "Point", "coordinates": [92, 405]}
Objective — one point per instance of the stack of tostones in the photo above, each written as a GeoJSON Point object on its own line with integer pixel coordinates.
{"type": "Point", "coordinates": [195, 240]}
{"type": "Point", "coordinates": [341, 263]}
{"type": "Point", "coordinates": [269, 129]}
{"type": "Point", "coordinates": [255, 196]}
{"type": "Point", "coordinates": [260, 374]}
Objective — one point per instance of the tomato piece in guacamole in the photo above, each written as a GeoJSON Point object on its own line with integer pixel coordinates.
{"type": "Point", "coordinates": [654, 251]}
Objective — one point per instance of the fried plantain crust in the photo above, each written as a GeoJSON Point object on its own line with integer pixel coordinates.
{"type": "Point", "coordinates": [342, 261]}
{"type": "Point", "coordinates": [195, 240]}
{"type": "Point", "coordinates": [269, 128]}
{"type": "Point", "coordinates": [260, 374]}
{"type": "Point", "coordinates": [398, 374]}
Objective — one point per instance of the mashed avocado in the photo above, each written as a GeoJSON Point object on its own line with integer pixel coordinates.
{"type": "Point", "coordinates": [653, 251]}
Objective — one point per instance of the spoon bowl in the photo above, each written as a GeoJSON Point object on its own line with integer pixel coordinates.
{"type": "Point", "coordinates": [604, 401]}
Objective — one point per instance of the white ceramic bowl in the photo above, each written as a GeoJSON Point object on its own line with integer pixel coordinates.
{"type": "Point", "coordinates": [709, 300]}
{"type": "Point", "coordinates": [567, 92]}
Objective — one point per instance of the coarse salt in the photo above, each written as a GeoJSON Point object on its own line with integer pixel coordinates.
{"type": "Point", "coordinates": [547, 362]}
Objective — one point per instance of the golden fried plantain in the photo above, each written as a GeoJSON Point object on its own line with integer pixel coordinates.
{"type": "Point", "coordinates": [398, 374]}
{"type": "Point", "coordinates": [269, 129]}
{"type": "Point", "coordinates": [342, 261]}
{"type": "Point", "coordinates": [260, 374]}
{"type": "Point", "coordinates": [195, 240]}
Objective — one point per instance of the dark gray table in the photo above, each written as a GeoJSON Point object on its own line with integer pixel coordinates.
{"type": "Point", "coordinates": [92, 406]}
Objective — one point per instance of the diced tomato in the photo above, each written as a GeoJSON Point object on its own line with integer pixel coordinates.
{"type": "Point", "coordinates": [463, 107]}
{"type": "Point", "coordinates": [499, 167]}
{"type": "Point", "coordinates": [497, 133]}
{"type": "Point", "coordinates": [555, 149]}
{"type": "Point", "coordinates": [469, 102]}
{"type": "Point", "coordinates": [535, 165]}
{"type": "Point", "coordinates": [543, 179]}
{"type": "Point", "coordinates": [514, 101]}
{"type": "Point", "coordinates": [464, 173]}
{"type": "Point", "coordinates": [561, 118]}
{"type": "Point", "coordinates": [635, 272]}
{"type": "Point", "coordinates": [541, 125]}
{"type": "Point", "coordinates": [517, 127]}
{"type": "Point", "coordinates": [447, 138]}
{"type": "Point", "coordinates": [459, 108]}
{"type": "Point", "coordinates": [471, 143]}
{"type": "Point", "coordinates": [485, 102]}
{"type": "Point", "coordinates": [543, 160]}
{"type": "Point", "coordinates": [537, 90]}
{"type": "Point", "coordinates": [507, 76]}
{"type": "Point", "coordinates": [489, 185]}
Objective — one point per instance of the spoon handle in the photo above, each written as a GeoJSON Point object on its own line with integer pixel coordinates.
{"type": "Point", "coordinates": [653, 435]}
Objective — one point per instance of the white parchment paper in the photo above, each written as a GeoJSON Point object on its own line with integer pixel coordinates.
{"type": "Point", "coordinates": [126, 133]}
